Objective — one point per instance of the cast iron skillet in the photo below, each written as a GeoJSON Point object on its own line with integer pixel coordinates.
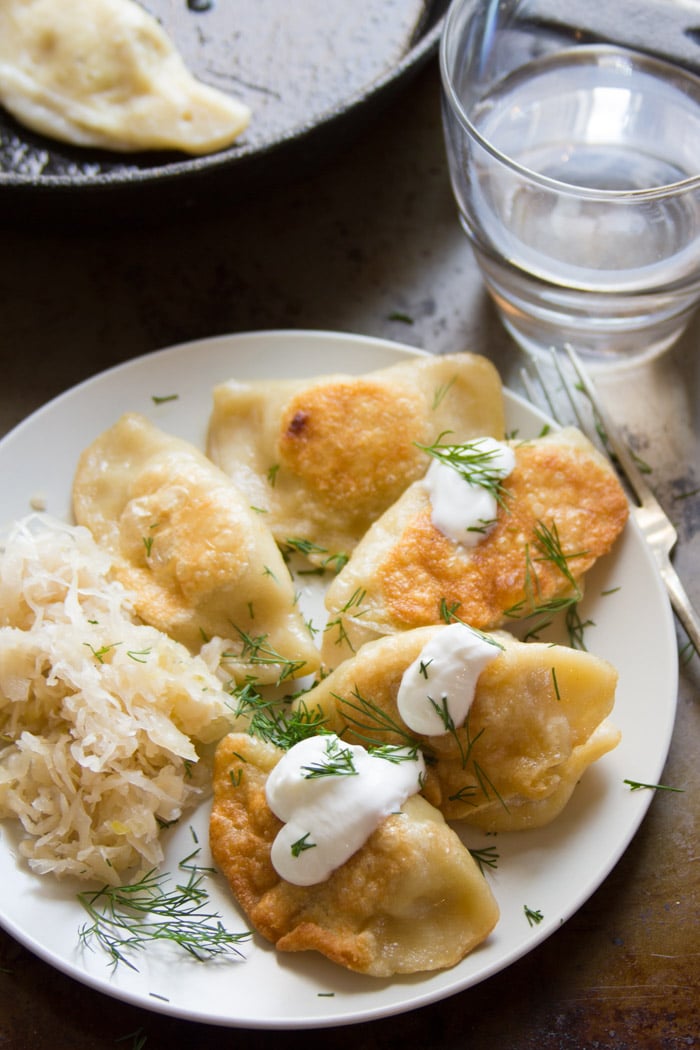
{"type": "Point", "coordinates": [312, 72]}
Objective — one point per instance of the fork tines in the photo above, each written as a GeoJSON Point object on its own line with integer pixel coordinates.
{"type": "Point", "coordinates": [560, 395]}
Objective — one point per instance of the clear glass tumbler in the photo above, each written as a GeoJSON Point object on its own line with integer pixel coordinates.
{"type": "Point", "coordinates": [576, 170]}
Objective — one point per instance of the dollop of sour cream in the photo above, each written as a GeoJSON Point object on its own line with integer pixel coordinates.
{"type": "Point", "coordinates": [438, 688]}
{"type": "Point", "coordinates": [332, 796]}
{"type": "Point", "coordinates": [465, 510]}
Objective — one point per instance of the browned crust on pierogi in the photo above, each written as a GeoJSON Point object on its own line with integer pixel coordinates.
{"type": "Point", "coordinates": [553, 484]}
{"type": "Point", "coordinates": [353, 442]}
{"type": "Point", "coordinates": [411, 899]}
{"type": "Point", "coordinates": [324, 457]}
{"type": "Point", "coordinates": [539, 718]}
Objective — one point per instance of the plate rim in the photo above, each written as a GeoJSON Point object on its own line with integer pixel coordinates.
{"type": "Point", "coordinates": [538, 935]}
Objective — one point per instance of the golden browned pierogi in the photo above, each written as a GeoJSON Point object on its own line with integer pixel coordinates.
{"type": "Point", "coordinates": [411, 899]}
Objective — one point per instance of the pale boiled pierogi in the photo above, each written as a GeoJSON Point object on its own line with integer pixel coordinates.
{"type": "Point", "coordinates": [538, 719]}
{"type": "Point", "coordinates": [411, 899]}
{"type": "Point", "coordinates": [103, 73]}
{"type": "Point", "coordinates": [325, 457]}
{"type": "Point", "coordinates": [562, 508]}
{"type": "Point", "coordinates": [201, 564]}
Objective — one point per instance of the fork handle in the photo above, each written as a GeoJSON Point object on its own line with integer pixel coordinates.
{"type": "Point", "coordinates": [681, 603]}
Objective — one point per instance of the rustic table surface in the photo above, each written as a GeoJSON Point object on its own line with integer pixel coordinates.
{"type": "Point", "coordinates": [370, 243]}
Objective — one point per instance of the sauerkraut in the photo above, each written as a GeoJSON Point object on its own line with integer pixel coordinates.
{"type": "Point", "coordinates": [102, 719]}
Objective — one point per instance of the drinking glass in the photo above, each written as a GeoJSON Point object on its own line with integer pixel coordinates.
{"type": "Point", "coordinates": [575, 163]}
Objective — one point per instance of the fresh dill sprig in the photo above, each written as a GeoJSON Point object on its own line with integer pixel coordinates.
{"type": "Point", "coordinates": [128, 918]}
{"type": "Point", "coordinates": [257, 650]}
{"type": "Point", "coordinates": [448, 613]}
{"type": "Point", "coordinates": [443, 712]}
{"type": "Point", "coordinates": [533, 916]}
{"type": "Point", "coordinates": [548, 543]}
{"type": "Point", "coordinates": [478, 465]}
{"type": "Point", "coordinates": [275, 725]}
{"type": "Point", "coordinates": [483, 781]}
{"type": "Point", "coordinates": [488, 857]}
{"type": "Point", "coordinates": [441, 393]}
{"type": "Point", "coordinates": [395, 753]}
{"type": "Point", "coordinates": [305, 547]}
{"type": "Point", "coordinates": [369, 719]}
{"type": "Point", "coordinates": [337, 762]}
{"type": "Point", "coordinates": [139, 655]}
{"type": "Point", "coordinates": [575, 627]}
{"type": "Point", "coordinates": [555, 683]}
{"type": "Point", "coordinates": [331, 563]}
{"type": "Point", "coordinates": [100, 653]}
{"type": "Point", "coordinates": [354, 605]}
{"type": "Point", "coordinates": [637, 785]}
{"type": "Point", "coordinates": [301, 845]}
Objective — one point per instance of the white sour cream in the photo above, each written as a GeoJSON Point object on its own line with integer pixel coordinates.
{"type": "Point", "coordinates": [329, 817]}
{"type": "Point", "coordinates": [438, 688]}
{"type": "Point", "coordinates": [465, 510]}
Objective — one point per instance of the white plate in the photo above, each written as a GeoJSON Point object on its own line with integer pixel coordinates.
{"type": "Point", "coordinates": [552, 870]}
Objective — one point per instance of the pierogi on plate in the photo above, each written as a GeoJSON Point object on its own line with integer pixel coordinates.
{"type": "Point", "coordinates": [103, 73]}
{"type": "Point", "coordinates": [538, 719]}
{"type": "Point", "coordinates": [200, 563]}
{"type": "Point", "coordinates": [562, 508]}
{"type": "Point", "coordinates": [411, 899]}
{"type": "Point", "coordinates": [325, 457]}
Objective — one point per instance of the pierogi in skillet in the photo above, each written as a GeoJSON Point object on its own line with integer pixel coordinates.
{"type": "Point", "coordinates": [561, 508]}
{"type": "Point", "coordinates": [533, 718]}
{"type": "Point", "coordinates": [410, 899]}
{"type": "Point", "coordinates": [325, 457]}
{"type": "Point", "coordinates": [104, 73]}
{"type": "Point", "coordinates": [201, 564]}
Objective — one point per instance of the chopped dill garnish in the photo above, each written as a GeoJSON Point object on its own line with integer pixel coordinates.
{"type": "Point", "coordinates": [442, 392]}
{"type": "Point", "coordinates": [575, 627]}
{"type": "Point", "coordinates": [305, 547]}
{"type": "Point", "coordinates": [354, 602]}
{"type": "Point", "coordinates": [488, 857]}
{"type": "Point", "coordinates": [478, 465]}
{"type": "Point", "coordinates": [338, 762]}
{"type": "Point", "coordinates": [162, 399]}
{"type": "Point", "coordinates": [448, 613]}
{"type": "Point", "coordinates": [139, 655]}
{"type": "Point", "coordinates": [368, 719]}
{"type": "Point", "coordinates": [533, 917]}
{"type": "Point", "coordinates": [148, 544]}
{"type": "Point", "coordinates": [331, 563]}
{"type": "Point", "coordinates": [272, 474]}
{"type": "Point", "coordinates": [549, 544]}
{"type": "Point", "coordinates": [128, 918]}
{"type": "Point", "coordinates": [395, 753]}
{"type": "Point", "coordinates": [284, 729]}
{"type": "Point", "coordinates": [637, 785]}
{"type": "Point", "coordinates": [100, 653]}
{"type": "Point", "coordinates": [302, 844]}
{"type": "Point", "coordinates": [257, 650]}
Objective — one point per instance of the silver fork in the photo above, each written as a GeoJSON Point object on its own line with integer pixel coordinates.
{"type": "Point", "coordinates": [648, 513]}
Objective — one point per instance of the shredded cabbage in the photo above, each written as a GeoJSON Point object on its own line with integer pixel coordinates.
{"type": "Point", "coordinates": [100, 715]}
